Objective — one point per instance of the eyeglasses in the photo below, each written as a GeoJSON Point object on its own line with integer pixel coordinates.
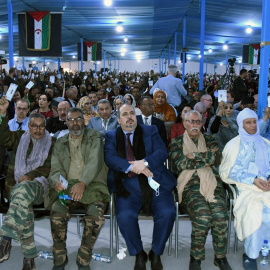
{"type": "Point", "coordinates": [73, 120]}
{"type": "Point", "coordinates": [198, 122]}
{"type": "Point", "coordinates": [21, 109]}
{"type": "Point", "coordinates": [35, 127]}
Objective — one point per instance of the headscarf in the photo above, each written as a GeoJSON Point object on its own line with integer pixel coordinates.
{"type": "Point", "coordinates": [166, 109]}
{"type": "Point", "coordinates": [81, 103]}
{"type": "Point", "coordinates": [133, 104]}
{"type": "Point", "coordinates": [119, 97]}
{"type": "Point", "coordinates": [261, 156]}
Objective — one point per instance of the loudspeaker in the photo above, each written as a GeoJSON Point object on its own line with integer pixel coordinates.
{"type": "Point", "coordinates": [181, 57]}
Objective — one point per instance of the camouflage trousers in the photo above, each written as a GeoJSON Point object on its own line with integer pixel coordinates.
{"type": "Point", "coordinates": [19, 220]}
{"type": "Point", "coordinates": [205, 216]}
{"type": "Point", "coordinates": [93, 221]}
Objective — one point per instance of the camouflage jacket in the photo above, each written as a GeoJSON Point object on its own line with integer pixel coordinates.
{"type": "Point", "coordinates": [180, 162]}
{"type": "Point", "coordinates": [10, 140]}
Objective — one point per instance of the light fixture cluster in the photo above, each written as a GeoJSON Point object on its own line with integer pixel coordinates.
{"type": "Point", "coordinates": [107, 3]}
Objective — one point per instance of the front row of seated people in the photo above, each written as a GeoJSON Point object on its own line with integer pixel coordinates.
{"type": "Point", "coordinates": [135, 156]}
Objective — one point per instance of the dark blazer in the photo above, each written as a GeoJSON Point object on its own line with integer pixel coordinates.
{"type": "Point", "coordinates": [53, 124]}
{"type": "Point", "coordinates": [156, 155]}
{"type": "Point", "coordinates": [159, 124]}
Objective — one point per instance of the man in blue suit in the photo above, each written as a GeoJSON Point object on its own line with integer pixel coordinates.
{"type": "Point", "coordinates": [135, 155]}
{"type": "Point", "coordinates": [105, 121]}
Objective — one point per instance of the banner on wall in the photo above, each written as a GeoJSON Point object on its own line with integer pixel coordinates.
{"type": "Point", "coordinates": [37, 37]}
{"type": "Point", "coordinates": [92, 51]}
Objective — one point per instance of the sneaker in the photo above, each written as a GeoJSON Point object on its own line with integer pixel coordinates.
{"type": "Point", "coordinates": [248, 263]}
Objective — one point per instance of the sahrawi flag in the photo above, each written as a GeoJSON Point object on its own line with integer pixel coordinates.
{"type": "Point", "coordinates": [92, 50]}
{"type": "Point", "coordinates": [254, 50]}
{"type": "Point", "coordinates": [38, 30]}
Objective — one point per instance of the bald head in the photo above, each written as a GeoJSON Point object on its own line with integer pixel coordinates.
{"type": "Point", "coordinates": [62, 109]}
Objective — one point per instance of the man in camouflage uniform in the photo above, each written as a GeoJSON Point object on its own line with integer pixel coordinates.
{"type": "Point", "coordinates": [28, 170]}
{"type": "Point", "coordinates": [78, 157]}
{"type": "Point", "coordinates": [194, 158]}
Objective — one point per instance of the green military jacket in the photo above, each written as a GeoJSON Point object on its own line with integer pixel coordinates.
{"type": "Point", "coordinates": [94, 174]}
{"type": "Point", "coordinates": [10, 140]}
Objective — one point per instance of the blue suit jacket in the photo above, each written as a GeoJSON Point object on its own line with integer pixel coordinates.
{"type": "Point", "coordinates": [96, 123]}
{"type": "Point", "coordinates": [156, 155]}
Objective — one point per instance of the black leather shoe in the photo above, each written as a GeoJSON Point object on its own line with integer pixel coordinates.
{"type": "Point", "coordinates": [155, 261]}
{"type": "Point", "coordinates": [248, 263]}
{"type": "Point", "coordinates": [29, 264]}
{"type": "Point", "coordinates": [194, 264]}
{"type": "Point", "coordinates": [61, 266]}
{"type": "Point", "coordinates": [222, 263]}
{"type": "Point", "coordinates": [4, 249]}
{"type": "Point", "coordinates": [141, 259]}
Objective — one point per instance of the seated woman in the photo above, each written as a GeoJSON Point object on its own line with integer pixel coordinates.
{"type": "Point", "coordinates": [85, 104]}
{"type": "Point", "coordinates": [163, 110]}
{"type": "Point", "coordinates": [178, 129]}
{"type": "Point", "coordinates": [45, 107]}
{"type": "Point", "coordinates": [117, 103]}
{"type": "Point", "coordinates": [223, 126]}
{"type": "Point", "coordinates": [131, 101]}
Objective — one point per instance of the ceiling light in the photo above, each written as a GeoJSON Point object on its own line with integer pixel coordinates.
{"type": "Point", "coordinates": [15, 58]}
{"type": "Point", "coordinates": [73, 56]}
{"type": "Point", "coordinates": [107, 3]}
{"type": "Point", "coordinates": [239, 61]}
{"type": "Point", "coordinates": [48, 63]}
{"type": "Point", "coordinates": [139, 60]}
{"type": "Point", "coordinates": [33, 62]}
{"type": "Point", "coordinates": [249, 30]}
{"type": "Point", "coordinates": [221, 64]}
{"type": "Point", "coordinates": [126, 39]}
{"type": "Point", "coordinates": [124, 50]}
{"type": "Point", "coordinates": [98, 62]}
{"type": "Point", "coordinates": [225, 47]}
{"type": "Point", "coordinates": [122, 54]}
{"type": "Point", "coordinates": [200, 56]}
{"type": "Point", "coordinates": [188, 57]}
{"type": "Point", "coordinates": [210, 50]}
{"type": "Point", "coordinates": [119, 28]}
{"type": "Point", "coordinates": [179, 61]}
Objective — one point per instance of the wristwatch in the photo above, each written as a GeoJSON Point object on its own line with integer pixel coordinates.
{"type": "Point", "coordinates": [145, 163]}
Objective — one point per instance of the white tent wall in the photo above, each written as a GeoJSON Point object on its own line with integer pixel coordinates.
{"type": "Point", "coordinates": [128, 65]}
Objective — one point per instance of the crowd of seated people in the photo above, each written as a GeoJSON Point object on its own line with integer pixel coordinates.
{"type": "Point", "coordinates": [72, 125]}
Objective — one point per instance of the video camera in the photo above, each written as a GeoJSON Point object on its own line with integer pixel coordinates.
{"type": "Point", "coordinates": [231, 61]}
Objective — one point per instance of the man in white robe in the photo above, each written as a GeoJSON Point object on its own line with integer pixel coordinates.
{"type": "Point", "coordinates": [246, 163]}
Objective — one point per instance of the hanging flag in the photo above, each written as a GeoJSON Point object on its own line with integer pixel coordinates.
{"type": "Point", "coordinates": [35, 36]}
{"type": "Point", "coordinates": [38, 28]}
{"type": "Point", "coordinates": [254, 50]}
{"type": "Point", "coordinates": [92, 51]}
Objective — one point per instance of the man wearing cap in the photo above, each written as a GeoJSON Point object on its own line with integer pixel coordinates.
{"type": "Point", "coordinates": [246, 164]}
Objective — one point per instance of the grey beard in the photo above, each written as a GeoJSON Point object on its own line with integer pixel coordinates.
{"type": "Point", "coordinates": [77, 132]}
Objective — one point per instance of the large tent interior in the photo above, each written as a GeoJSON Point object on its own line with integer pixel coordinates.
{"type": "Point", "coordinates": [154, 34]}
